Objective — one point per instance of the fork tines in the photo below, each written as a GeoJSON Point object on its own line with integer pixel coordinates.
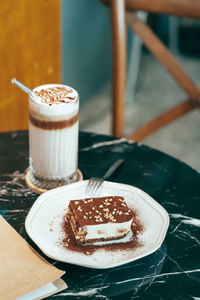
{"type": "Point", "coordinates": [93, 187]}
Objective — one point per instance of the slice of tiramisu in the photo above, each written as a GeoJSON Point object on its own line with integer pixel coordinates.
{"type": "Point", "coordinates": [99, 219]}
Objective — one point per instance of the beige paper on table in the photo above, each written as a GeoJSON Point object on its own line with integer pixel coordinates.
{"type": "Point", "coordinates": [21, 268]}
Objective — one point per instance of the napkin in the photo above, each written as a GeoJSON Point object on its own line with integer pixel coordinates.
{"type": "Point", "coordinates": [22, 269]}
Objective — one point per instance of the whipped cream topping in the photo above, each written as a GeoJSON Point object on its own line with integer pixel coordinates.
{"type": "Point", "coordinates": [56, 95]}
{"type": "Point", "coordinates": [55, 100]}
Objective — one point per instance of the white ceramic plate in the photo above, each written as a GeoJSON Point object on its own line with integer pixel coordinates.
{"type": "Point", "coordinates": [43, 224]}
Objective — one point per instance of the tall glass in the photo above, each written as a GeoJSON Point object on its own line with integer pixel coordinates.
{"type": "Point", "coordinates": [53, 136]}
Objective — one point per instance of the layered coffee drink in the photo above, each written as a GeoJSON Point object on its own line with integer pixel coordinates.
{"type": "Point", "coordinates": [53, 133]}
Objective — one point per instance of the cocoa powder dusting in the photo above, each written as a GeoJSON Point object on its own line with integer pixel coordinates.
{"type": "Point", "coordinates": [90, 211]}
{"type": "Point", "coordinates": [70, 244]}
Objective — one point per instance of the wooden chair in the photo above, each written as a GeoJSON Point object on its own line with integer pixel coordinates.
{"type": "Point", "coordinates": [29, 51]}
{"type": "Point", "coordinates": [120, 13]}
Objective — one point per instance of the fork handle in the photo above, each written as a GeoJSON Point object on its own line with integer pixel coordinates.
{"type": "Point", "coordinates": [112, 169]}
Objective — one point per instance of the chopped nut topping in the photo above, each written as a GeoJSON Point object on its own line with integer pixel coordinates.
{"type": "Point", "coordinates": [89, 211]}
{"type": "Point", "coordinates": [105, 209]}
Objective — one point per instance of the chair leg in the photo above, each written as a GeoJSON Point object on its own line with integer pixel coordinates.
{"type": "Point", "coordinates": [162, 54]}
{"type": "Point", "coordinates": [170, 63]}
{"type": "Point", "coordinates": [134, 65]}
{"type": "Point", "coordinates": [119, 65]}
{"type": "Point", "coordinates": [162, 120]}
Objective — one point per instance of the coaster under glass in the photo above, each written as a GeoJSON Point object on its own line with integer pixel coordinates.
{"type": "Point", "coordinates": [41, 186]}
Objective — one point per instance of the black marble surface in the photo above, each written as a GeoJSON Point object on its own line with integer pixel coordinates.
{"type": "Point", "coordinates": [173, 271]}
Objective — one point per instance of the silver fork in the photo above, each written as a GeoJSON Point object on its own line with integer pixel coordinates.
{"type": "Point", "coordinates": [94, 184]}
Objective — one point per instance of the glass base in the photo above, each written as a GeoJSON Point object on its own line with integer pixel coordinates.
{"type": "Point", "coordinates": [40, 185]}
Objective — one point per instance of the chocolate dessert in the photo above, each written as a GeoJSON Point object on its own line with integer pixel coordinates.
{"type": "Point", "coordinates": [99, 219]}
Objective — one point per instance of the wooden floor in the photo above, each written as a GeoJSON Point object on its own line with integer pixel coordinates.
{"type": "Point", "coordinates": [155, 92]}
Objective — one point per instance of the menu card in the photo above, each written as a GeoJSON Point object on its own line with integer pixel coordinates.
{"type": "Point", "coordinates": [23, 270]}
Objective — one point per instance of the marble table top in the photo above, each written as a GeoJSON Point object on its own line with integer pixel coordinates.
{"type": "Point", "coordinates": [171, 272]}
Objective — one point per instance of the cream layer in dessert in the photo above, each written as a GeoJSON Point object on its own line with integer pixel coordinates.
{"type": "Point", "coordinates": [53, 132]}
{"type": "Point", "coordinates": [99, 219]}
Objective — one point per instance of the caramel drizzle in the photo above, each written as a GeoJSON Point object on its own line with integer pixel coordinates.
{"type": "Point", "coordinates": [55, 95]}
{"type": "Point", "coordinates": [53, 125]}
